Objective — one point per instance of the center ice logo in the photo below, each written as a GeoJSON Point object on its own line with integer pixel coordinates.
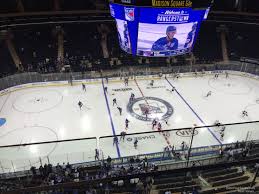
{"type": "Point", "coordinates": [149, 108]}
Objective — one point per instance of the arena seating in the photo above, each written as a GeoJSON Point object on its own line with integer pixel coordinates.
{"type": "Point", "coordinates": [46, 5]}
{"type": "Point", "coordinates": [240, 41]}
{"type": "Point", "coordinates": [36, 6]}
{"type": "Point", "coordinates": [220, 179]}
{"type": "Point", "coordinates": [208, 44]}
{"type": "Point", "coordinates": [7, 66]}
{"type": "Point", "coordinates": [176, 182]}
{"type": "Point", "coordinates": [37, 47]}
{"type": "Point", "coordinates": [224, 5]}
{"type": "Point", "coordinates": [77, 4]}
{"type": "Point", "coordinates": [8, 6]}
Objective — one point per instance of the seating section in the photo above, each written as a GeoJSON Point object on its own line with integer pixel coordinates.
{"type": "Point", "coordinates": [220, 178]}
{"type": "Point", "coordinates": [251, 6]}
{"type": "Point", "coordinates": [224, 5]}
{"type": "Point", "coordinates": [221, 172]}
{"type": "Point", "coordinates": [39, 5]}
{"type": "Point", "coordinates": [37, 47]}
{"type": "Point", "coordinates": [7, 66]}
{"type": "Point", "coordinates": [225, 189]}
{"type": "Point", "coordinates": [176, 183]}
{"type": "Point", "coordinates": [8, 6]}
{"type": "Point", "coordinates": [241, 39]}
{"type": "Point", "coordinates": [227, 176]}
{"type": "Point", "coordinates": [208, 45]}
{"type": "Point", "coordinates": [77, 4]}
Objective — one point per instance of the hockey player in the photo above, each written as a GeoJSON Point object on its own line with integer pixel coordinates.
{"type": "Point", "coordinates": [183, 145]}
{"type": "Point", "coordinates": [114, 101]}
{"type": "Point", "coordinates": [126, 81]}
{"type": "Point", "coordinates": [177, 76]}
{"type": "Point", "coordinates": [107, 80]}
{"type": "Point", "coordinates": [167, 43]}
{"type": "Point", "coordinates": [223, 128]}
{"type": "Point", "coordinates": [96, 154]}
{"type": "Point", "coordinates": [203, 72]}
{"type": "Point", "coordinates": [208, 94]}
{"type": "Point", "coordinates": [146, 111]}
{"type": "Point", "coordinates": [216, 75]}
{"type": "Point", "coordinates": [222, 133]}
{"type": "Point", "coordinates": [217, 123]}
{"type": "Point", "coordinates": [152, 83]}
{"type": "Point", "coordinates": [126, 123]}
{"type": "Point", "coordinates": [83, 87]}
{"type": "Point", "coordinates": [154, 122]}
{"type": "Point", "coordinates": [195, 73]}
{"type": "Point", "coordinates": [106, 90]}
{"type": "Point", "coordinates": [115, 140]}
{"type": "Point", "coordinates": [159, 126]}
{"type": "Point", "coordinates": [123, 134]}
{"type": "Point", "coordinates": [244, 114]}
{"type": "Point", "coordinates": [166, 121]}
{"type": "Point", "coordinates": [136, 143]}
{"type": "Point", "coordinates": [131, 100]}
{"type": "Point", "coordinates": [80, 104]}
{"type": "Point", "coordinates": [227, 75]}
{"type": "Point", "coordinates": [132, 96]}
{"type": "Point", "coordinates": [120, 109]}
{"type": "Point", "coordinates": [71, 80]}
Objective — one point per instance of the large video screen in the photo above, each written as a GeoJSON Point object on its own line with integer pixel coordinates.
{"type": "Point", "coordinates": [167, 32]}
{"type": "Point", "coordinates": [149, 31]}
{"type": "Point", "coordinates": [165, 39]}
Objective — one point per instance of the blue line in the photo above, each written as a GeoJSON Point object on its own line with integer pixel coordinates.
{"type": "Point", "coordinates": [194, 112]}
{"type": "Point", "coordinates": [109, 111]}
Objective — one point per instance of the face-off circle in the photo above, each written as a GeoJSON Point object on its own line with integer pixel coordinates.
{"type": "Point", "coordinates": [21, 154]}
{"type": "Point", "coordinates": [149, 108]}
{"type": "Point", "coordinates": [37, 101]}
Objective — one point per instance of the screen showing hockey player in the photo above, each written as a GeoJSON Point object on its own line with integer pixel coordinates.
{"type": "Point", "coordinates": [167, 32]}
{"type": "Point", "coordinates": [123, 35]}
{"type": "Point", "coordinates": [165, 39]}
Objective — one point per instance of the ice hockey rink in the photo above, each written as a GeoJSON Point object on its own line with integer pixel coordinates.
{"type": "Point", "coordinates": [50, 112]}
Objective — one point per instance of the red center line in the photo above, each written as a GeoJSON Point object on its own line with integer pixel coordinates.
{"type": "Point", "coordinates": [164, 134]}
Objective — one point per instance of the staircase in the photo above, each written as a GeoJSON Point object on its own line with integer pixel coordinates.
{"type": "Point", "coordinates": [12, 50]}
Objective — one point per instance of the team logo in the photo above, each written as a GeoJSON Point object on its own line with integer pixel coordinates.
{"type": "Point", "coordinates": [186, 132]}
{"type": "Point", "coordinates": [129, 13]}
{"type": "Point", "coordinates": [149, 108]}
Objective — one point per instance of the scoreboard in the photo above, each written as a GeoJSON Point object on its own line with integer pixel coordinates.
{"type": "Point", "coordinates": [158, 27]}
